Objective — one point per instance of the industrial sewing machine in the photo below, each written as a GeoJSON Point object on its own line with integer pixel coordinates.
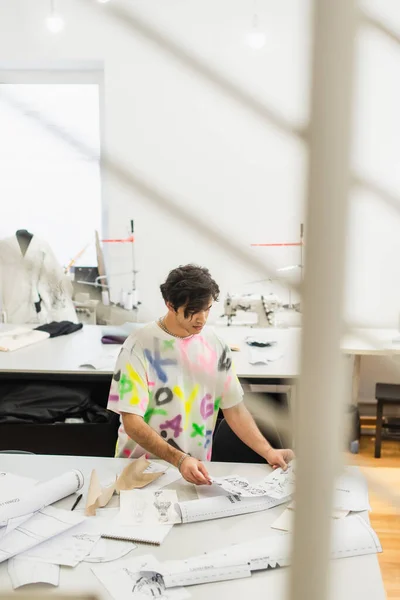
{"type": "Point", "coordinates": [265, 307]}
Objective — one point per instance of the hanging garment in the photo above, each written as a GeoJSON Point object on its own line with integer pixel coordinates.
{"type": "Point", "coordinates": [33, 282]}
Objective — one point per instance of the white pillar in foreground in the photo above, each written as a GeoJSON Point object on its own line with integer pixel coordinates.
{"type": "Point", "coordinates": [320, 401]}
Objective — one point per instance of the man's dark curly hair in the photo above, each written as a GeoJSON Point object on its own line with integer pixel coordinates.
{"type": "Point", "coordinates": [190, 286]}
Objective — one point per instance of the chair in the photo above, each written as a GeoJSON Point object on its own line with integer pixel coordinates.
{"type": "Point", "coordinates": [227, 447]}
{"type": "Point", "coordinates": [385, 394]}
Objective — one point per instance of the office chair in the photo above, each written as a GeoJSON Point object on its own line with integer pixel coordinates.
{"type": "Point", "coordinates": [227, 447]}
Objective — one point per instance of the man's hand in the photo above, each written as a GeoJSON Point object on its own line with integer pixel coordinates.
{"type": "Point", "coordinates": [194, 471]}
{"type": "Point", "coordinates": [279, 458]}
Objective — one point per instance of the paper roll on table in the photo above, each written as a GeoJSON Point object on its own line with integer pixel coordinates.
{"type": "Point", "coordinates": [219, 507]}
{"type": "Point", "coordinates": [40, 495]}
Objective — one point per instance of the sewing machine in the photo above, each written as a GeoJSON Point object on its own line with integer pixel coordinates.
{"type": "Point", "coordinates": [264, 307]}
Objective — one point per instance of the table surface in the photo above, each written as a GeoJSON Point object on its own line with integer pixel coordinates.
{"type": "Point", "coordinates": [64, 354]}
{"type": "Point", "coordinates": [356, 578]}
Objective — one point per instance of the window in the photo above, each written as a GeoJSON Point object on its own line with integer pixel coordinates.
{"type": "Point", "coordinates": [46, 185]}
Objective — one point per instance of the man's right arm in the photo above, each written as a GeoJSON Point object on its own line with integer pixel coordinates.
{"type": "Point", "coordinates": [191, 469]}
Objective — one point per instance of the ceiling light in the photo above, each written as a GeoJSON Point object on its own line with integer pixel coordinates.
{"type": "Point", "coordinates": [256, 38]}
{"type": "Point", "coordinates": [54, 22]}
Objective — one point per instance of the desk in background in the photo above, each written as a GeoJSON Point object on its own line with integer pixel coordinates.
{"type": "Point", "coordinates": [356, 578]}
{"type": "Point", "coordinates": [57, 360]}
{"type": "Point", "coordinates": [60, 357]}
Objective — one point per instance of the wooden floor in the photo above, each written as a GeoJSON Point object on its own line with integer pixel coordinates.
{"type": "Point", "coordinates": [385, 519]}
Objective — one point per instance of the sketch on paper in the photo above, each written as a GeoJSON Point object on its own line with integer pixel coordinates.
{"type": "Point", "coordinates": [279, 484]}
{"type": "Point", "coordinates": [137, 578]}
{"type": "Point", "coordinates": [149, 508]}
{"type": "Point", "coordinates": [149, 584]}
{"type": "Point", "coordinates": [161, 506]}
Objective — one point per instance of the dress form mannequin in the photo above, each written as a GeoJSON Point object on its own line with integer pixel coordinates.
{"type": "Point", "coordinates": [24, 239]}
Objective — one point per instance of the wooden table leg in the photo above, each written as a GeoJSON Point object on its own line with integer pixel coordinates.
{"type": "Point", "coordinates": [378, 434]}
{"type": "Point", "coordinates": [356, 379]}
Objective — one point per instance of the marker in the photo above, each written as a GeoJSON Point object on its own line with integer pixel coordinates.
{"type": "Point", "coordinates": [79, 498]}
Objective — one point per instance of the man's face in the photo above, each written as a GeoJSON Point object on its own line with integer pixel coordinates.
{"type": "Point", "coordinates": [192, 323]}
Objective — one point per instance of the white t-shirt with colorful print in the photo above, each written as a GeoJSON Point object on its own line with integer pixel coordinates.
{"type": "Point", "coordinates": [176, 385]}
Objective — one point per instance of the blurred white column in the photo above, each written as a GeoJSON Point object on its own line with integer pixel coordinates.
{"type": "Point", "coordinates": [321, 397]}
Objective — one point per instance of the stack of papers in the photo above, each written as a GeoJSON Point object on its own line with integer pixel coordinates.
{"type": "Point", "coordinates": [26, 517]}
{"type": "Point", "coordinates": [40, 527]}
{"type": "Point", "coordinates": [37, 538]}
{"type": "Point", "coordinates": [352, 536]}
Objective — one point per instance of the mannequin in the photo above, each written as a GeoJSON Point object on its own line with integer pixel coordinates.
{"type": "Point", "coordinates": [33, 286]}
{"type": "Point", "coordinates": [24, 239]}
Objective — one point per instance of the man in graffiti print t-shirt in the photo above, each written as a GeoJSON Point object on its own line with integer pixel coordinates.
{"type": "Point", "coordinates": [172, 377]}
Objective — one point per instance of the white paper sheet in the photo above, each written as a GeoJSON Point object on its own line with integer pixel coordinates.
{"type": "Point", "coordinates": [138, 579]}
{"type": "Point", "coordinates": [13, 524]}
{"type": "Point", "coordinates": [239, 486]}
{"type": "Point", "coordinates": [351, 536]}
{"type": "Point", "coordinates": [149, 508]}
{"type": "Point", "coordinates": [269, 552]}
{"type": "Point", "coordinates": [20, 337]}
{"type": "Point", "coordinates": [280, 483]}
{"type": "Point", "coordinates": [69, 548]}
{"type": "Point", "coordinates": [12, 485]}
{"type": "Point", "coordinates": [44, 525]}
{"type": "Point", "coordinates": [223, 506]}
{"type": "Point", "coordinates": [104, 550]}
{"type": "Point", "coordinates": [265, 355]}
{"type": "Point", "coordinates": [210, 491]}
{"type": "Point", "coordinates": [351, 492]}
{"type": "Point", "coordinates": [104, 361]}
{"type": "Point", "coordinates": [170, 475]}
{"type": "Point", "coordinates": [109, 550]}
{"type": "Point", "coordinates": [43, 494]}
{"type": "Point", "coordinates": [203, 569]}
{"type": "Point", "coordinates": [24, 572]}
{"type": "Point", "coordinates": [285, 521]}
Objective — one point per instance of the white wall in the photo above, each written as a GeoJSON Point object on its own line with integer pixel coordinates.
{"type": "Point", "coordinates": [193, 143]}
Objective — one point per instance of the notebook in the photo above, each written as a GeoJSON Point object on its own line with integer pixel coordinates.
{"type": "Point", "coordinates": [140, 534]}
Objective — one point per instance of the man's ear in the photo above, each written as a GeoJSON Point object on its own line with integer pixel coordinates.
{"type": "Point", "coordinates": [169, 306]}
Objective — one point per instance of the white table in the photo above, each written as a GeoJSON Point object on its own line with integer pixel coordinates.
{"type": "Point", "coordinates": [356, 578]}
{"type": "Point", "coordinates": [63, 355]}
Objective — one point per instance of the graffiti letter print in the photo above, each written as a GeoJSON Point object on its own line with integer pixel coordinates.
{"type": "Point", "coordinates": [207, 407]}
{"type": "Point", "coordinates": [197, 430]}
{"type": "Point", "coordinates": [163, 395]}
{"type": "Point", "coordinates": [225, 361]}
{"type": "Point", "coordinates": [157, 362]}
{"type": "Point", "coordinates": [174, 424]}
{"type": "Point", "coordinates": [187, 401]}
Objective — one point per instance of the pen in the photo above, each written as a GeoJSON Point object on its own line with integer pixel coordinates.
{"type": "Point", "coordinates": [79, 498]}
